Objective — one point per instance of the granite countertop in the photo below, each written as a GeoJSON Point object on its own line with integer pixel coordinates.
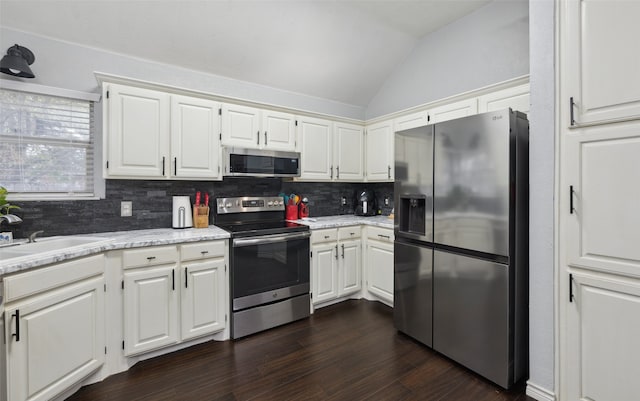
{"type": "Point", "coordinates": [317, 223]}
{"type": "Point", "coordinates": [166, 236]}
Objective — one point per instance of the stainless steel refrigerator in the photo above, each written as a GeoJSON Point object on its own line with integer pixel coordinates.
{"type": "Point", "coordinates": [461, 241]}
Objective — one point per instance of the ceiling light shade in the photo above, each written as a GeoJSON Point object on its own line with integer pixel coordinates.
{"type": "Point", "coordinates": [17, 61]}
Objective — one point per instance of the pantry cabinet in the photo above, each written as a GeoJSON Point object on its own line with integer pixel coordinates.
{"type": "Point", "coordinates": [599, 279]}
{"type": "Point", "coordinates": [151, 134]}
{"type": "Point", "coordinates": [253, 128]}
{"type": "Point", "coordinates": [379, 154]}
{"type": "Point", "coordinates": [55, 331]}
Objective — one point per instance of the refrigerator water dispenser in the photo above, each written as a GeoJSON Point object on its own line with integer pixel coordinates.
{"type": "Point", "coordinates": [413, 214]}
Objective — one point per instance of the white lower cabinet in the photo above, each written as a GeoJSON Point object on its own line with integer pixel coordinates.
{"type": "Point", "coordinates": [172, 296]}
{"type": "Point", "coordinates": [336, 263]}
{"type": "Point", "coordinates": [54, 328]}
{"type": "Point", "coordinates": [202, 306]}
{"type": "Point", "coordinates": [379, 263]}
{"type": "Point", "coordinates": [604, 329]}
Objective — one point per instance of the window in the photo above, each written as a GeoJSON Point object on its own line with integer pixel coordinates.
{"type": "Point", "coordinates": [46, 144]}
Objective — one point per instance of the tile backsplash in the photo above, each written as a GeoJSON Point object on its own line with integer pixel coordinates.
{"type": "Point", "coordinates": [152, 203]}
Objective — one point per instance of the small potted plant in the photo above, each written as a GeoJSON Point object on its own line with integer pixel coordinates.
{"type": "Point", "coordinates": [5, 206]}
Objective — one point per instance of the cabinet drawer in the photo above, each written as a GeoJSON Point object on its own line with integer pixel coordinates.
{"type": "Point", "coordinates": [149, 256]}
{"type": "Point", "coordinates": [349, 232]}
{"type": "Point", "coordinates": [380, 234]}
{"type": "Point", "coordinates": [202, 250]}
{"type": "Point", "coordinates": [327, 235]}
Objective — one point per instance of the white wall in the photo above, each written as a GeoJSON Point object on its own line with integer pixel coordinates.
{"type": "Point", "coordinates": [488, 46]}
{"type": "Point", "coordinates": [70, 66]}
{"type": "Point", "coordinates": [541, 195]}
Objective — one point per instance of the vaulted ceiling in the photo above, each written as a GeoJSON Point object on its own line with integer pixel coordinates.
{"type": "Point", "coordinates": [339, 50]}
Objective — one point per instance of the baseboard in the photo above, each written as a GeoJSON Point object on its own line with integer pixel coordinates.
{"type": "Point", "coordinates": [539, 393]}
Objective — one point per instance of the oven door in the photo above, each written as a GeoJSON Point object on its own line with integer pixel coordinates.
{"type": "Point", "coordinates": [269, 268]}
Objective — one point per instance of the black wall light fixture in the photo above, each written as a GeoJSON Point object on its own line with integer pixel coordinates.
{"type": "Point", "coordinates": [17, 61]}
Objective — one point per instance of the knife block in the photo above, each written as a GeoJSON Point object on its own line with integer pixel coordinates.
{"type": "Point", "coordinates": [200, 216]}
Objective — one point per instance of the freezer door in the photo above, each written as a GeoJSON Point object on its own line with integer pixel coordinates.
{"type": "Point", "coordinates": [413, 188]}
{"type": "Point", "coordinates": [412, 291]}
{"type": "Point", "coordinates": [471, 170]}
{"type": "Point", "coordinates": [471, 314]}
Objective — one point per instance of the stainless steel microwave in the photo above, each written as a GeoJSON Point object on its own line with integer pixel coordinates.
{"type": "Point", "coordinates": [260, 163]}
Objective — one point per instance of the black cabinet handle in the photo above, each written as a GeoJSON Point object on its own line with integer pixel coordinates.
{"type": "Point", "coordinates": [571, 208]}
{"type": "Point", "coordinates": [204, 252]}
{"type": "Point", "coordinates": [389, 172]}
{"type": "Point", "coordinates": [186, 278]}
{"type": "Point", "coordinates": [338, 172]}
{"type": "Point", "coordinates": [175, 166]}
{"type": "Point", "coordinates": [258, 137]}
{"type": "Point", "coordinates": [162, 165]}
{"type": "Point", "coordinates": [384, 236]}
{"type": "Point", "coordinates": [173, 279]}
{"type": "Point", "coordinates": [331, 172]}
{"type": "Point", "coordinates": [336, 251]}
{"type": "Point", "coordinates": [265, 138]}
{"type": "Point", "coordinates": [17, 333]}
{"type": "Point", "coordinates": [571, 106]}
{"type": "Point", "coordinates": [150, 258]}
{"type": "Point", "coordinates": [342, 251]}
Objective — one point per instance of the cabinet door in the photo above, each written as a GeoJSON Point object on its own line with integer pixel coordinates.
{"type": "Point", "coordinates": [602, 193]}
{"type": "Point", "coordinates": [61, 340]}
{"type": "Point", "coordinates": [350, 267]}
{"type": "Point", "coordinates": [137, 135]}
{"type": "Point", "coordinates": [241, 126]}
{"type": "Point", "coordinates": [203, 298]}
{"type": "Point", "coordinates": [517, 98]}
{"type": "Point", "coordinates": [325, 278]}
{"type": "Point", "coordinates": [380, 269]}
{"type": "Point", "coordinates": [411, 121]}
{"type": "Point", "coordinates": [602, 64]}
{"type": "Point", "coordinates": [278, 130]}
{"type": "Point", "coordinates": [348, 152]}
{"type": "Point", "coordinates": [454, 110]}
{"type": "Point", "coordinates": [605, 332]}
{"type": "Point", "coordinates": [315, 137]}
{"type": "Point", "coordinates": [150, 309]}
{"type": "Point", "coordinates": [379, 152]}
{"type": "Point", "coordinates": [195, 138]}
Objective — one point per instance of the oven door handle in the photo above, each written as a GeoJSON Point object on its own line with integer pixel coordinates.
{"type": "Point", "coordinates": [269, 239]}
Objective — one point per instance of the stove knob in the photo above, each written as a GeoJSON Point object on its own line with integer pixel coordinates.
{"type": "Point", "coordinates": [229, 204]}
{"type": "Point", "coordinates": [270, 203]}
{"type": "Point", "coordinates": [280, 203]}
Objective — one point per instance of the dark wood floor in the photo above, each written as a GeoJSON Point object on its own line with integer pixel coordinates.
{"type": "Point", "coordinates": [348, 351]}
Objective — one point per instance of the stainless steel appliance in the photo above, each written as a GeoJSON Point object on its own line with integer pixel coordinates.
{"type": "Point", "coordinates": [461, 248]}
{"type": "Point", "coordinates": [365, 203]}
{"type": "Point", "coordinates": [260, 163]}
{"type": "Point", "coordinates": [269, 263]}
{"type": "Point", "coordinates": [181, 216]}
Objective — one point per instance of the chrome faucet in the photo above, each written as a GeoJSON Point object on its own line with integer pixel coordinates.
{"type": "Point", "coordinates": [10, 219]}
{"type": "Point", "coordinates": [32, 237]}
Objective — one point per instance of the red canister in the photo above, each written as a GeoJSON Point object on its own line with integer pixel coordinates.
{"type": "Point", "coordinates": [303, 210]}
{"type": "Point", "coordinates": [291, 212]}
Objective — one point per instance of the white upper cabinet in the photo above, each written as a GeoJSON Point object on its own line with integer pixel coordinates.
{"type": "Point", "coordinates": [253, 128]}
{"type": "Point", "coordinates": [379, 152]}
{"type": "Point", "coordinates": [517, 98]}
{"type": "Point", "coordinates": [195, 141]}
{"type": "Point", "coordinates": [240, 126]}
{"type": "Point", "coordinates": [279, 130]}
{"type": "Point", "coordinates": [156, 135]}
{"type": "Point", "coordinates": [315, 138]}
{"type": "Point", "coordinates": [603, 61]}
{"type": "Point", "coordinates": [411, 121]}
{"type": "Point", "coordinates": [137, 137]}
{"type": "Point", "coordinates": [348, 152]}
{"type": "Point", "coordinates": [454, 110]}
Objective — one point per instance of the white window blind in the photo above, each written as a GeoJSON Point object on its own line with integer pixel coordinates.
{"type": "Point", "coordinates": [46, 144]}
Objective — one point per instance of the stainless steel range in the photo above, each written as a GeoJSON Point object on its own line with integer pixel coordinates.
{"type": "Point", "coordinates": [269, 263]}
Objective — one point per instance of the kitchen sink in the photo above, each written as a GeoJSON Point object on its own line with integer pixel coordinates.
{"type": "Point", "coordinates": [49, 245]}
